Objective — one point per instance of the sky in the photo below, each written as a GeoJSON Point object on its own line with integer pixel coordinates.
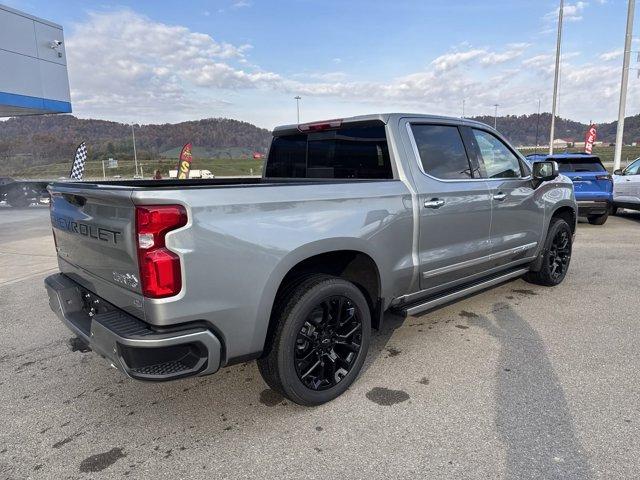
{"type": "Point", "coordinates": [151, 61]}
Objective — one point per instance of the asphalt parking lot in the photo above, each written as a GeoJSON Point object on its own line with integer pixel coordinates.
{"type": "Point", "coordinates": [516, 382]}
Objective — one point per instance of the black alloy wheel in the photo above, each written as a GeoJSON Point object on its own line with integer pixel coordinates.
{"type": "Point", "coordinates": [322, 331]}
{"type": "Point", "coordinates": [552, 266]}
{"type": "Point", "coordinates": [559, 254]}
{"type": "Point", "coordinates": [328, 343]}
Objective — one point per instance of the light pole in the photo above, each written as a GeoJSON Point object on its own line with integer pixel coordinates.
{"type": "Point", "coordinates": [537, 126]}
{"type": "Point", "coordinates": [135, 154]}
{"type": "Point", "coordinates": [298, 98]}
{"type": "Point", "coordinates": [495, 116]}
{"type": "Point", "coordinates": [463, 102]}
{"type": "Point", "coordinates": [623, 86]}
{"type": "Point", "coordinates": [556, 78]}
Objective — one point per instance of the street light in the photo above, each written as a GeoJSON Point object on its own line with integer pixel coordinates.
{"type": "Point", "coordinates": [298, 98]}
{"type": "Point", "coordinates": [537, 126]}
{"type": "Point", "coordinates": [617, 157]}
{"type": "Point", "coordinates": [495, 116]}
{"type": "Point", "coordinates": [556, 78]}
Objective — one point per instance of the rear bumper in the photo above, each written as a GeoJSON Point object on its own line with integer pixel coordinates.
{"type": "Point", "coordinates": [132, 346]}
{"type": "Point", "coordinates": [593, 207]}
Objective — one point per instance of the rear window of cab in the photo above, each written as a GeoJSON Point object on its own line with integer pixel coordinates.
{"type": "Point", "coordinates": [354, 151]}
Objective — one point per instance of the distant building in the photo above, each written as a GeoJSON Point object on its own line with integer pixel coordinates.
{"type": "Point", "coordinates": [561, 143]}
{"type": "Point", "coordinates": [33, 77]}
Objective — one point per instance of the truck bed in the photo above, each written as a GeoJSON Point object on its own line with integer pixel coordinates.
{"type": "Point", "coordinates": [210, 183]}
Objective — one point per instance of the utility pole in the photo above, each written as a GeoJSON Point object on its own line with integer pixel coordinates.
{"type": "Point", "coordinates": [135, 155]}
{"type": "Point", "coordinates": [298, 98]}
{"type": "Point", "coordinates": [556, 79]}
{"type": "Point", "coordinates": [537, 126]}
{"type": "Point", "coordinates": [495, 116]}
{"type": "Point", "coordinates": [463, 101]}
{"type": "Point", "coordinates": [623, 85]}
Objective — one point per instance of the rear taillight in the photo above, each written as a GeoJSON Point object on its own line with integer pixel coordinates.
{"type": "Point", "coordinates": [159, 267]}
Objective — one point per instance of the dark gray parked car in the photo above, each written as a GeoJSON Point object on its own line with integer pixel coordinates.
{"type": "Point", "coordinates": [351, 218]}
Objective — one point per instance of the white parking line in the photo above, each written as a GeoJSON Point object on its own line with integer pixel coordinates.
{"type": "Point", "coordinates": [26, 277]}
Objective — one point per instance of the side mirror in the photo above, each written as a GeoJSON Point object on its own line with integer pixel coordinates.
{"type": "Point", "coordinates": [618, 172]}
{"type": "Point", "coordinates": [544, 171]}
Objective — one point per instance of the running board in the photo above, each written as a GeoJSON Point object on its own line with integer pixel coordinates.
{"type": "Point", "coordinates": [447, 297]}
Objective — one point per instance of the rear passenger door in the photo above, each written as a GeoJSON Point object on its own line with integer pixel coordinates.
{"type": "Point", "coordinates": [517, 218]}
{"type": "Point", "coordinates": [454, 205]}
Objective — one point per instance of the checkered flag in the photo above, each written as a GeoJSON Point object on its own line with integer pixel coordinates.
{"type": "Point", "coordinates": [77, 171]}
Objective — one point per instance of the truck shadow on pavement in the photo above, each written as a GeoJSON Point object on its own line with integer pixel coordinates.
{"type": "Point", "coordinates": [533, 418]}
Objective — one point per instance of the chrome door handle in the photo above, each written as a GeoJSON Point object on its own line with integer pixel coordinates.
{"type": "Point", "coordinates": [433, 203]}
{"type": "Point", "coordinates": [499, 196]}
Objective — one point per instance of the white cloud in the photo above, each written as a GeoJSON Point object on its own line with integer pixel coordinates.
{"type": "Point", "coordinates": [125, 66]}
{"type": "Point", "coordinates": [123, 59]}
{"type": "Point", "coordinates": [546, 62]}
{"type": "Point", "coordinates": [240, 4]}
{"type": "Point", "coordinates": [513, 51]}
{"type": "Point", "coordinates": [453, 60]}
{"type": "Point", "coordinates": [612, 55]}
{"type": "Point", "coordinates": [573, 12]}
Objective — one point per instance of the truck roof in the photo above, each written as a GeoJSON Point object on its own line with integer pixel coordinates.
{"type": "Point", "coordinates": [384, 118]}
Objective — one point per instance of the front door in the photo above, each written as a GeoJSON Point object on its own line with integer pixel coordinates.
{"type": "Point", "coordinates": [455, 206]}
{"type": "Point", "coordinates": [518, 216]}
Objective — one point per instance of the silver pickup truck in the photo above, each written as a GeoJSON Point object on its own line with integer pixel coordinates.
{"type": "Point", "coordinates": [174, 278]}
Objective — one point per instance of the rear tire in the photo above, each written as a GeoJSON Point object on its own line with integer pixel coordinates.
{"type": "Point", "coordinates": [320, 342]}
{"type": "Point", "coordinates": [598, 219]}
{"type": "Point", "coordinates": [556, 255]}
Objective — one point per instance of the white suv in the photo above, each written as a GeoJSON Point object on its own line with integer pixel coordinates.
{"type": "Point", "coordinates": [626, 187]}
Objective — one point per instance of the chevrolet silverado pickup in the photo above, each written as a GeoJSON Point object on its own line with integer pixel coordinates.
{"type": "Point", "coordinates": [352, 217]}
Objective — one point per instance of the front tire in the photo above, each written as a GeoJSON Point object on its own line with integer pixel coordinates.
{"type": "Point", "coordinates": [320, 342]}
{"type": "Point", "coordinates": [555, 256]}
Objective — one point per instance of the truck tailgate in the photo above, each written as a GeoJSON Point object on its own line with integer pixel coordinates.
{"type": "Point", "coordinates": [94, 234]}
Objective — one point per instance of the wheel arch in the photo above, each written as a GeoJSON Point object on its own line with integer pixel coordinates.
{"type": "Point", "coordinates": [569, 214]}
{"type": "Point", "coordinates": [354, 262]}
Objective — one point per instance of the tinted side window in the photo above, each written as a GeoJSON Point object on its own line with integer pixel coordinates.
{"type": "Point", "coordinates": [442, 152]}
{"type": "Point", "coordinates": [499, 161]}
{"type": "Point", "coordinates": [350, 152]}
{"type": "Point", "coordinates": [359, 152]}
